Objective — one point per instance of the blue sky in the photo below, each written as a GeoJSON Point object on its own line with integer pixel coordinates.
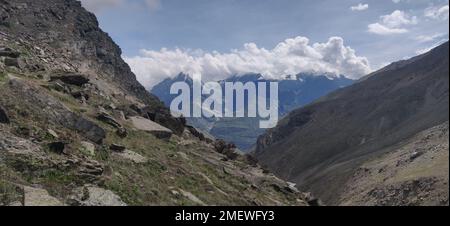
{"type": "Point", "coordinates": [379, 31]}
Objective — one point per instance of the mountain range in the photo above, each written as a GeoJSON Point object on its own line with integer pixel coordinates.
{"type": "Point", "coordinates": [78, 129]}
{"type": "Point", "coordinates": [294, 92]}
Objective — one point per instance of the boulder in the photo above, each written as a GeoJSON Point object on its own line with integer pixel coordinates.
{"type": "Point", "coordinates": [415, 155]}
{"type": "Point", "coordinates": [122, 132]}
{"type": "Point", "coordinates": [3, 116]}
{"type": "Point", "coordinates": [227, 149]}
{"type": "Point", "coordinates": [52, 133]}
{"type": "Point", "coordinates": [39, 197]}
{"type": "Point", "coordinates": [7, 52]}
{"type": "Point", "coordinates": [132, 156]}
{"type": "Point", "coordinates": [80, 95]}
{"type": "Point", "coordinates": [198, 134]}
{"type": "Point", "coordinates": [117, 148]}
{"type": "Point", "coordinates": [88, 129]}
{"type": "Point", "coordinates": [312, 201]}
{"type": "Point", "coordinates": [59, 87]}
{"type": "Point", "coordinates": [90, 195]}
{"type": "Point", "coordinates": [161, 116]}
{"type": "Point", "coordinates": [108, 119]}
{"type": "Point", "coordinates": [14, 62]}
{"type": "Point", "coordinates": [119, 114]}
{"type": "Point", "coordinates": [151, 127]}
{"type": "Point", "coordinates": [12, 144]}
{"type": "Point", "coordinates": [90, 171]}
{"type": "Point", "coordinates": [88, 148]}
{"type": "Point", "coordinates": [71, 79]}
{"type": "Point", "coordinates": [16, 203]}
{"type": "Point", "coordinates": [57, 147]}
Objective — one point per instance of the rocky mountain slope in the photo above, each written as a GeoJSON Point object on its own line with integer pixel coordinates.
{"type": "Point", "coordinates": [76, 128]}
{"type": "Point", "coordinates": [324, 146]}
{"type": "Point", "coordinates": [414, 172]}
{"type": "Point", "coordinates": [294, 92]}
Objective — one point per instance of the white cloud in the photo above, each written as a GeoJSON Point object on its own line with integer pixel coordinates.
{"type": "Point", "coordinates": [99, 5]}
{"type": "Point", "coordinates": [380, 29]}
{"type": "Point", "coordinates": [398, 1]}
{"type": "Point", "coordinates": [440, 13]}
{"type": "Point", "coordinates": [289, 57]}
{"type": "Point", "coordinates": [428, 38]}
{"type": "Point", "coordinates": [359, 7]}
{"type": "Point", "coordinates": [398, 18]}
{"type": "Point", "coordinates": [96, 6]}
{"type": "Point", "coordinates": [393, 23]}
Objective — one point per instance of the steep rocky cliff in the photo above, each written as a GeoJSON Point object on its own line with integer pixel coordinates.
{"type": "Point", "coordinates": [61, 36]}
{"type": "Point", "coordinates": [76, 128]}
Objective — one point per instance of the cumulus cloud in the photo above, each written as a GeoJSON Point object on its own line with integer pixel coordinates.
{"type": "Point", "coordinates": [437, 12]}
{"type": "Point", "coordinates": [429, 38]}
{"type": "Point", "coordinates": [393, 23]}
{"type": "Point", "coordinates": [381, 29]}
{"type": "Point", "coordinates": [359, 7]}
{"type": "Point", "coordinates": [289, 57]}
{"type": "Point", "coordinates": [96, 6]}
{"type": "Point", "coordinates": [99, 5]}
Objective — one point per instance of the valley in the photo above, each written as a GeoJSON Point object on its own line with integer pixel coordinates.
{"type": "Point", "coordinates": [83, 124]}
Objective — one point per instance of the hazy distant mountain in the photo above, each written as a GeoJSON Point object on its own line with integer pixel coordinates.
{"type": "Point", "coordinates": [293, 93]}
{"type": "Point", "coordinates": [381, 141]}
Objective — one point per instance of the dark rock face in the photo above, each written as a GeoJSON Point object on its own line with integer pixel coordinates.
{"type": "Point", "coordinates": [198, 134]}
{"type": "Point", "coordinates": [88, 129]}
{"type": "Point", "coordinates": [57, 147]}
{"type": "Point", "coordinates": [162, 116]}
{"type": "Point", "coordinates": [71, 79]}
{"type": "Point", "coordinates": [108, 119]}
{"type": "Point", "coordinates": [14, 62]}
{"type": "Point", "coordinates": [319, 146]}
{"type": "Point", "coordinates": [227, 149]}
{"type": "Point", "coordinates": [117, 148]}
{"type": "Point", "coordinates": [7, 52]}
{"type": "Point", "coordinates": [3, 116]}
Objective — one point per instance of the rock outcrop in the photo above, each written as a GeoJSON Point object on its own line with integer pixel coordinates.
{"type": "Point", "coordinates": [39, 197]}
{"type": "Point", "coordinates": [86, 49]}
{"type": "Point", "coordinates": [151, 127]}
{"type": "Point", "coordinates": [71, 79]}
{"type": "Point", "coordinates": [52, 111]}
{"type": "Point", "coordinates": [3, 116]}
{"type": "Point", "coordinates": [90, 195]}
